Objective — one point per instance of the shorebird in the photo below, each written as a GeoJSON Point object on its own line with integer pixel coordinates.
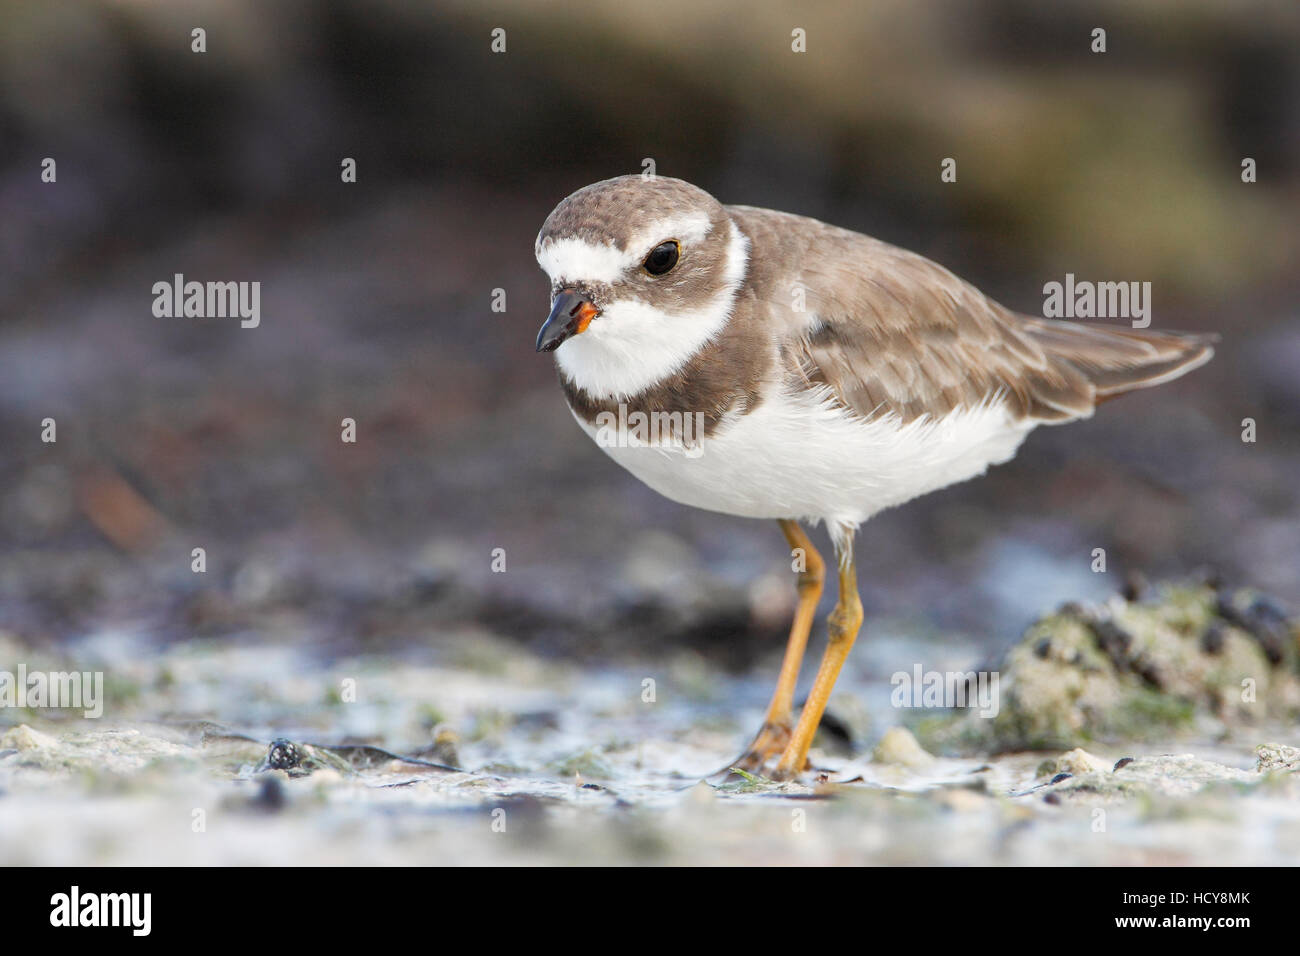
{"type": "Point", "coordinates": [833, 375]}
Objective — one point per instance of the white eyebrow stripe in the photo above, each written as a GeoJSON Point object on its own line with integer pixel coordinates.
{"type": "Point", "coordinates": [690, 228]}
{"type": "Point", "coordinates": [578, 260]}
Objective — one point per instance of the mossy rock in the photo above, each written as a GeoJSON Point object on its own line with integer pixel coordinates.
{"type": "Point", "coordinates": [1136, 670]}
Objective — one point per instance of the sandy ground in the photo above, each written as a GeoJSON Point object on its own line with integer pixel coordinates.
{"type": "Point", "coordinates": [562, 764]}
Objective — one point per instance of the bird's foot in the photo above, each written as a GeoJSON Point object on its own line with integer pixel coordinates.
{"type": "Point", "coordinates": [771, 741]}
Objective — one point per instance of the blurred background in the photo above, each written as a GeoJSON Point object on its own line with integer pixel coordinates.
{"type": "Point", "coordinates": [376, 305]}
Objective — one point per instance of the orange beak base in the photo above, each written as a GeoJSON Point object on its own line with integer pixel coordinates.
{"type": "Point", "coordinates": [570, 316]}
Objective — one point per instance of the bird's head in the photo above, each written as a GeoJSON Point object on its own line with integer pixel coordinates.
{"type": "Point", "coordinates": [643, 273]}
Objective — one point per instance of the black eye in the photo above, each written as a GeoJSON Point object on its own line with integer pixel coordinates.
{"type": "Point", "coordinates": [662, 257]}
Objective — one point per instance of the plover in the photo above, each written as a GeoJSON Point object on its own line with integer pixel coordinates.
{"type": "Point", "coordinates": [834, 375]}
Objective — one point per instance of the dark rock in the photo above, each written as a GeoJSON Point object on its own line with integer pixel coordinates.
{"type": "Point", "coordinates": [283, 755]}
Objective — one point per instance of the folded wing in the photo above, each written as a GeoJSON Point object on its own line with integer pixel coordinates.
{"type": "Point", "coordinates": [889, 331]}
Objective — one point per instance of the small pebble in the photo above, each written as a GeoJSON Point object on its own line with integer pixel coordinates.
{"type": "Point", "coordinates": [283, 755]}
{"type": "Point", "coordinates": [898, 747]}
{"type": "Point", "coordinates": [1079, 760]}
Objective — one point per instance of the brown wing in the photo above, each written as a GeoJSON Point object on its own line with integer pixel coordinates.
{"type": "Point", "coordinates": [898, 333]}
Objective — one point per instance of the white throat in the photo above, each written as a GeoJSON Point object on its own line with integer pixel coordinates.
{"type": "Point", "coordinates": [631, 346]}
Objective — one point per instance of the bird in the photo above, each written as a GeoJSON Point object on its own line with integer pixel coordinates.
{"type": "Point", "coordinates": [828, 376]}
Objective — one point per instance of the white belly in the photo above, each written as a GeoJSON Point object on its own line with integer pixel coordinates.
{"type": "Point", "coordinates": [797, 457]}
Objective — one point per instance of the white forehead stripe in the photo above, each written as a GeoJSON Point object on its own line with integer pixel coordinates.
{"type": "Point", "coordinates": [689, 228]}
{"type": "Point", "coordinates": [576, 260]}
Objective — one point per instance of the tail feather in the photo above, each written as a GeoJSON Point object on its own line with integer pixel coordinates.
{"type": "Point", "coordinates": [1118, 360]}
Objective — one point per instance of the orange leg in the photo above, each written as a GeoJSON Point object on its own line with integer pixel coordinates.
{"type": "Point", "coordinates": [843, 626]}
{"type": "Point", "coordinates": [775, 732]}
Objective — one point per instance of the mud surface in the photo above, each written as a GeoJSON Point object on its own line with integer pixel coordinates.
{"type": "Point", "coordinates": [211, 753]}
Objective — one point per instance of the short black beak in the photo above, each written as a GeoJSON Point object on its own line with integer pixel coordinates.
{"type": "Point", "coordinates": [570, 315]}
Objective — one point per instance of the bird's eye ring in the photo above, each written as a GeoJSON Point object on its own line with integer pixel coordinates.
{"type": "Point", "coordinates": [662, 257]}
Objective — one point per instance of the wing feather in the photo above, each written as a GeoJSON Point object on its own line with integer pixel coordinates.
{"type": "Point", "coordinates": [890, 332]}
